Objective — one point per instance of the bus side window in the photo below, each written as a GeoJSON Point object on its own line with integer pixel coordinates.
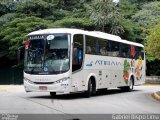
{"type": "Point", "coordinates": [92, 45]}
{"type": "Point", "coordinates": [88, 50]}
{"type": "Point", "coordinates": [115, 49]}
{"type": "Point", "coordinates": [77, 55]}
{"type": "Point", "coordinates": [139, 52]}
{"type": "Point", "coordinates": [108, 47]}
{"type": "Point", "coordinates": [125, 50]}
{"type": "Point", "coordinates": [102, 44]}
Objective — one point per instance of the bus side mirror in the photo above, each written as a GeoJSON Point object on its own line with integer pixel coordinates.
{"type": "Point", "coordinates": [20, 53]}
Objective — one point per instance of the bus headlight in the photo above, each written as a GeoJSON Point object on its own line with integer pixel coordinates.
{"type": "Point", "coordinates": [62, 80]}
{"type": "Point", "coordinates": [29, 81]}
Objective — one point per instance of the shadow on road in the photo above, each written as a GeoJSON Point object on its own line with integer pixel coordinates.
{"type": "Point", "coordinates": [81, 95]}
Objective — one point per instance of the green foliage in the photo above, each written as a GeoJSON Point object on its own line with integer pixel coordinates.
{"type": "Point", "coordinates": [128, 8]}
{"type": "Point", "coordinates": [37, 8]}
{"type": "Point", "coordinates": [153, 67]}
{"type": "Point", "coordinates": [5, 18]}
{"type": "Point", "coordinates": [153, 42]}
{"type": "Point", "coordinates": [58, 15]}
{"type": "Point", "coordinates": [64, 8]}
{"type": "Point", "coordinates": [149, 14]}
{"type": "Point", "coordinates": [132, 31]}
{"type": "Point", "coordinates": [105, 14]}
{"type": "Point", "coordinates": [3, 9]}
{"type": "Point", "coordinates": [69, 5]}
{"type": "Point", "coordinates": [14, 32]}
{"type": "Point", "coordinates": [7, 6]}
{"type": "Point", "coordinates": [81, 23]}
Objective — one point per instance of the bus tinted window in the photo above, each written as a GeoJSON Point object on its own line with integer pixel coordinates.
{"type": "Point", "coordinates": [139, 53]}
{"type": "Point", "coordinates": [95, 46]}
{"type": "Point", "coordinates": [98, 46]}
{"type": "Point", "coordinates": [113, 49]}
{"type": "Point", "coordinates": [103, 47]}
{"type": "Point", "coordinates": [125, 50]}
{"type": "Point", "coordinates": [92, 45]}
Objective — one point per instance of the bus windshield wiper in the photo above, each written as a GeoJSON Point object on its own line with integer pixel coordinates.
{"type": "Point", "coordinates": [34, 68]}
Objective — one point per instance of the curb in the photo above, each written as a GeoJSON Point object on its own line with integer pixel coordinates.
{"type": "Point", "coordinates": [7, 87]}
{"type": "Point", "coordinates": [156, 95]}
{"type": "Point", "coordinates": [147, 84]}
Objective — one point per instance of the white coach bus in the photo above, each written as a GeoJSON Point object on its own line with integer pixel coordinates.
{"type": "Point", "coordinates": [71, 60]}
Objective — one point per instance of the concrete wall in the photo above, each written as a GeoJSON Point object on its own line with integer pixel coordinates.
{"type": "Point", "coordinates": [153, 79]}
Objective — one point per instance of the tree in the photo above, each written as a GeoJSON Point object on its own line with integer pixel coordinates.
{"type": "Point", "coordinates": [14, 33]}
{"type": "Point", "coordinates": [105, 15]}
{"type": "Point", "coordinates": [139, 16]}
{"type": "Point", "coordinates": [153, 42]}
{"type": "Point", "coordinates": [37, 8]}
{"type": "Point", "coordinates": [7, 6]}
{"type": "Point", "coordinates": [128, 8]}
{"type": "Point", "coordinates": [68, 8]}
{"type": "Point", "coordinates": [6, 18]}
{"type": "Point", "coordinates": [80, 23]}
{"type": "Point", "coordinates": [148, 16]}
{"type": "Point", "coordinates": [132, 31]}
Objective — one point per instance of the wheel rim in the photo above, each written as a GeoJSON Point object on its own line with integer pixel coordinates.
{"type": "Point", "coordinates": [131, 85]}
{"type": "Point", "coordinates": [91, 87]}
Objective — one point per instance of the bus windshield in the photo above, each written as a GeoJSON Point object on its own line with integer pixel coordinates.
{"type": "Point", "coordinates": [47, 55]}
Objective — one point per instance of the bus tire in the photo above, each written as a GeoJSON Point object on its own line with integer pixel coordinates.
{"type": "Point", "coordinates": [131, 84]}
{"type": "Point", "coordinates": [53, 94]}
{"type": "Point", "coordinates": [89, 90]}
{"type": "Point", "coordinates": [130, 87]}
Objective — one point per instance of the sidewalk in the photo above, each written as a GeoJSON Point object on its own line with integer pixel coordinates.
{"type": "Point", "coordinates": [149, 84]}
{"type": "Point", "coordinates": [8, 87]}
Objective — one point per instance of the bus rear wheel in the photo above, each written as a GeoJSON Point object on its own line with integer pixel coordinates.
{"type": "Point", "coordinates": [53, 94]}
{"type": "Point", "coordinates": [131, 84]}
{"type": "Point", "coordinates": [130, 87]}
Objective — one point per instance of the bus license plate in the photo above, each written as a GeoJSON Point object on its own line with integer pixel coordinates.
{"type": "Point", "coordinates": [43, 87]}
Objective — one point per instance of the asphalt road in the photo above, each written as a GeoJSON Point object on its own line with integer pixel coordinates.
{"type": "Point", "coordinates": [13, 99]}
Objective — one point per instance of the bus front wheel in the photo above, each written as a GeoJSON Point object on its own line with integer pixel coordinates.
{"type": "Point", "coordinates": [53, 94]}
{"type": "Point", "coordinates": [89, 90]}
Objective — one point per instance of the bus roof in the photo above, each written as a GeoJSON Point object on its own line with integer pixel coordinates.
{"type": "Point", "coordinates": [90, 33]}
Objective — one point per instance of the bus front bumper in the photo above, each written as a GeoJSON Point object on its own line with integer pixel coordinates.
{"type": "Point", "coordinates": [63, 87]}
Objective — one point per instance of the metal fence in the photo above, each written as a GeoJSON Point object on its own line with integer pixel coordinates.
{"type": "Point", "coordinates": [11, 76]}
